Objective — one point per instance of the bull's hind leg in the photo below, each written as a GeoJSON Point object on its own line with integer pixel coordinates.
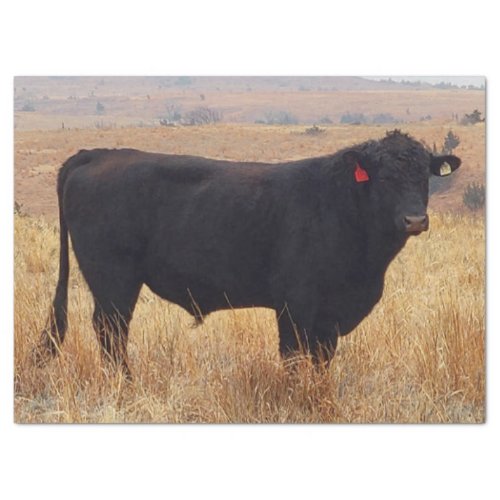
{"type": "Point", "coordinates": [115, 289]}
{"type": "Point", "coordinates": [111, 327]}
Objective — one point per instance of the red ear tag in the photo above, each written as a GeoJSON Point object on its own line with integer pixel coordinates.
{"type": "Point", "coordinates": [360, 174]}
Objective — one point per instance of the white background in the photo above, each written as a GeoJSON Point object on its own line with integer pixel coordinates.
{"type": "Point", "coordinates": [255, 38]}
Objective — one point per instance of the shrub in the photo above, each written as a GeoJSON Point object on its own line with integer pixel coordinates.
{"type": "Point", "coordinates": [451, 141]}
{"type": "Point", "coordinates": [172, 116]}
{"type": "Point", "coordinates": [353, 118]}
{"type": "Point", "coordinates": [202, 116]}
{"type": "Point", "coordinates": [325, 120]}
{"type": "Point", "coordinates": [183, 81]}
{"type": "Point", "coordinates": [472, 118]}
{"type": "Point", "coordinates": [315, 130]}
{"type": "Point", "coordinates": [29, 106]}
{"type": "Point", "coordinates": [474, 196]}
{"type": "Point", "coordinates": [18, 209]}
{"type": "Point", "coordinates": [280, 118]}
{"type": "Point", "coordinates": [384, 118]}
{"type": "Point", "coordinates": [99, 108]}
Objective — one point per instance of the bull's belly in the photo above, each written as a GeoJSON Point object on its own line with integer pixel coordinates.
{"type": "Point", "coordinates": [201, 296]}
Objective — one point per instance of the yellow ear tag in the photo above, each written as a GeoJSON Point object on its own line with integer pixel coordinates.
{"type": "Point", "coordinates": [445, 169]}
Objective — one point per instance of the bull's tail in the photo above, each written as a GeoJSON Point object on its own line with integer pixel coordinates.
{"type": "Point", "coordinates": [53, 334]}
{"type": "Point", "coordinates": [55, 329]}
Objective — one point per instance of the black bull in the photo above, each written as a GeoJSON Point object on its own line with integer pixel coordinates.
{"type": "Point", "coordinates": [311, 239]}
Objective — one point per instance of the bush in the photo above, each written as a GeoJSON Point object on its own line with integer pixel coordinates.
{"type": "Point", "coordinates": [474, 196]}
{"type": "Point", "coordinates": [183, 81]}
{"type": "Point", "coordinates": [472, 118]}
{"type": "Point", "coordinates": [172, 116]}
{"type": "Point", "coordinates": [451, 141]}
{"type": "Point", "coordinates": [384, 118]}
{"type": "Point", "coordinates": [325, 120]}
{"type": "Point", "coordinates": [280, 118]}
{"type": "Point", "coordinates": [18, 209]}
{"type": "Point", "coordinates": [29, 106]}
{"type": "Point", "coordinates": [202, 116]}
{"type": "Point", "coordinates": [99, 108]}
{"type": "Point", "coordinates": [353, 118]}
{"type": "Point", "coordinates": [315, 130]}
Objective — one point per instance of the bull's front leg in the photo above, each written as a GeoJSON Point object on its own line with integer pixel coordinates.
{"type": "Point", "coordinates": [295, 323]}
{"type": "Point", "coordinates": [300, 330]}
{"type": "Point", "coordinates": [306, 334]}
{"type": "Point", "coordinates": [324, 338]}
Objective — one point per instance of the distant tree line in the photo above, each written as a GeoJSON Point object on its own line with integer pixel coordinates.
{"type": "Point", "coordinates": [279, 118]}
{"type": "Point", "coordinates": [440, 85]}
{"type": "Point", "coordinates": [361, 118]}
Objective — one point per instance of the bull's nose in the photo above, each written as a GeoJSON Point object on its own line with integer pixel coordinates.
{"type": "Point", "coordinates": [416, 223]}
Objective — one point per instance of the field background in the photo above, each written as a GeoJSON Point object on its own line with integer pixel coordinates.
{"type": "Point", "coordinates": [419, 357]}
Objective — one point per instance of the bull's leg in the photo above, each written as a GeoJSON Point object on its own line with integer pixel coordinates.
{"type": "Point", "coordinates": [115, 288]}
{"type": "Point", "coordinates": [294, 326]}
{"type": "Point", "coordinates": [324, 338]}
{"type": "Point", "coordinates": [111, 328]}
{"type": "Point", "coordinates": [288, 338]}
{"type": "Point", "coordinates": [317, 336]}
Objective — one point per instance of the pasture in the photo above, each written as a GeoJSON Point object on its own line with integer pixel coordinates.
{"type": "Point", "coordinates": [418, 357]}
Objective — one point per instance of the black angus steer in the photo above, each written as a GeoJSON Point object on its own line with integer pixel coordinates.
{"type": "Point", "coordinates": [311, 239]}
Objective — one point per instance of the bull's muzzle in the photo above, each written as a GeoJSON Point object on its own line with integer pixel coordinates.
{"type": "Point", "coordinates": [416, 223]}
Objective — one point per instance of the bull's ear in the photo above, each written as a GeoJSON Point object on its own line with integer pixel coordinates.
{"type": "Point", "coordinates": [444, 165]}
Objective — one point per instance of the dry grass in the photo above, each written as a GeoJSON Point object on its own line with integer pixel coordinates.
{"type": "Point", "coordinates": [419, 357]}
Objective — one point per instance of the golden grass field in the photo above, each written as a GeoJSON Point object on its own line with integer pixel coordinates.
{"type": "Point", "coordinates": [418, 357]}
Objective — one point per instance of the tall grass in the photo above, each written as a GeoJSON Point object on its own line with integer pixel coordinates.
{"type": "Point", "coordinates": [419, 357]}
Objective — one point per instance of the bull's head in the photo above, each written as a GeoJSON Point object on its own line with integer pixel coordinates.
{"type": "Point", "coordinates": [392, 176]}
